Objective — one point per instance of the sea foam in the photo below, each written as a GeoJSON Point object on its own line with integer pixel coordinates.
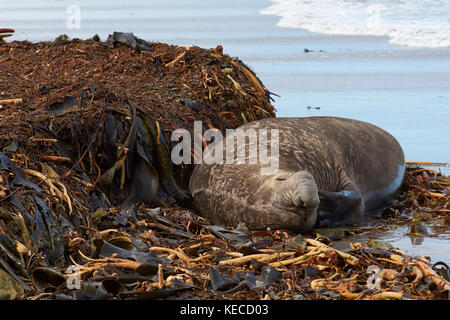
{"type": "Point", "coordinates": [411, 23]}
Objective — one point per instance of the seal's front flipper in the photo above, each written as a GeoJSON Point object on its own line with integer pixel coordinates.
{"type": "Point", "coordinates": [337, 208]}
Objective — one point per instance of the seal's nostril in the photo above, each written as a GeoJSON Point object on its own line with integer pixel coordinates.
{"type": "Point", "coordinates": [299, 203]}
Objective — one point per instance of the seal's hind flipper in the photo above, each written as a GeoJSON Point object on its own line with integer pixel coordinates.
{"type": "Point", "coordinates": [338, 208]}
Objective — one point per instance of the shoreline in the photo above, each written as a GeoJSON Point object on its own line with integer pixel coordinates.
{"type": "Point", "coordinates": [402, 90]}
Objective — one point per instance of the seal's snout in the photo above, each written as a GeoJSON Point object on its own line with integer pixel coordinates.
{"type": "Point", "coordinates": [304, 190]}
{"type": "Point", "coordinates": [307, 198]}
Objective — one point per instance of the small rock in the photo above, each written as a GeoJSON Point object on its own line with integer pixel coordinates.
{"type": "Point", "coordinates": [378, 244]}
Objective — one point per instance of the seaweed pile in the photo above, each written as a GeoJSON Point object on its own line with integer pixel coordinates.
{"type": "Point", "coordinates": [82, 121]}
{"type": "Point", "coordinates": [98, 97]}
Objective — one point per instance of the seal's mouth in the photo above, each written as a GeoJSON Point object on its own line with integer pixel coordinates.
{"type": "Point", "coordinates": [299, 219]}
{"type": "Point", "coordinates": [296, 191]}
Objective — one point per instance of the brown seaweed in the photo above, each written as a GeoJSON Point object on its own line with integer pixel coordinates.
{"type": "Point", "coordinates": [74, 145]}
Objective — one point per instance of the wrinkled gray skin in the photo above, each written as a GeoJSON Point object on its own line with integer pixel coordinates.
{"type": "Point", "coordinates": [331, 170]}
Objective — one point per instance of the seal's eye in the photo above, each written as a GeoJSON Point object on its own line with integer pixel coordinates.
{"type": "Point", "coordinates": [280, 179]}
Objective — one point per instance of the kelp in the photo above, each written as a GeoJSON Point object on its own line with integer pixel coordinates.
{"type": "Point", "coordinates": [91, 206]}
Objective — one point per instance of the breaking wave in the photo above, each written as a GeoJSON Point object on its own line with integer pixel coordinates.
{"type": "Point", "coordinates": [411, 23]}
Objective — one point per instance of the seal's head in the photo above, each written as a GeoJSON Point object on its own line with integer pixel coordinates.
{"type": "Point", "coordinates": [294, 200]}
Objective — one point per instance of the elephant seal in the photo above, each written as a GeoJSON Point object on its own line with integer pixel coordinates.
{"type": "Point", "coordinates": [330, 171]}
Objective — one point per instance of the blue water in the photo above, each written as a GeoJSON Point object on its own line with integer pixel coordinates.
{"type": "Point", "coordinates": [410, 103]}
{"type": "Point", "coordinates": [405, 91]}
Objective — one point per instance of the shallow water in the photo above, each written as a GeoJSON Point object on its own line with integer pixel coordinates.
{"type": "Point", "coordinates": [435, 247]}
{"type": "Point", "coordinates": [438, 248]}
{"type": "Point", "coordinates": [405, 91]}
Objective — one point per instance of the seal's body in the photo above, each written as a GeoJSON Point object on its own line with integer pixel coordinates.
{"type": "Point", "coordinates": [330, 171]}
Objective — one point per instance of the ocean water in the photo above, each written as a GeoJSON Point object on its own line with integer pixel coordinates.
{"type": "Point", "coordinates": [412, 23]}
{"type": "Point", "coordinates": [384, 61]}
{"type": "Point", "coordinates": [404, 90]}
